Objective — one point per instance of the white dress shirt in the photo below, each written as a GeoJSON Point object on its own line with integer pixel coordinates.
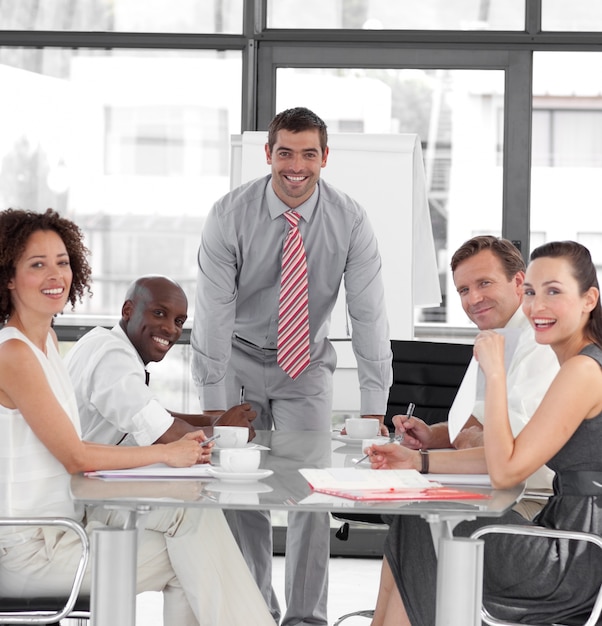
{"type": "Point", "coordinates": [112, 396]}
{"type": "Point", "coordinates": [529, 374]}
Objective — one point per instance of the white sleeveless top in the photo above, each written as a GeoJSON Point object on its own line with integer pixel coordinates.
{"type": "Point", "coordinates": [32, 481]}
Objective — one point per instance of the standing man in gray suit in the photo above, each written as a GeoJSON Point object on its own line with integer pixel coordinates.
{"type": "Point", "coordinates": [288, 233]}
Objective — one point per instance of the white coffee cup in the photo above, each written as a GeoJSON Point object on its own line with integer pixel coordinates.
{"type": "Point", "coordinates": [231, 436]}
{"type": "Point", "coordinates": [239, 460]}
{"type": "Point", "coordinates": [362, 427]}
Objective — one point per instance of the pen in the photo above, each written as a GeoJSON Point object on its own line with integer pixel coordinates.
{"type": "Point", "coordinates": [208, 440]}
{"type": "Point", "coordinates": [242, 394]}
{"type": "Point", "coordinates": [397, 438]}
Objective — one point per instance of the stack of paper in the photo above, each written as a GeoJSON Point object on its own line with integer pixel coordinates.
{"type": "Point", "coordinates": [158, 471]}
{"type": "Point", "coordinates": [361, 484]}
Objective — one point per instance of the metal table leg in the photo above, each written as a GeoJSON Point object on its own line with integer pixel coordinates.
{"type": "Point", "coordinates": [113, 585]}
{"type": "Point", "coordinates": [459, 575]}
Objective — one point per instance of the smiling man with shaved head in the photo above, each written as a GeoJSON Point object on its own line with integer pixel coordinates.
{"type": "Point", "coordinates": [108, 370]}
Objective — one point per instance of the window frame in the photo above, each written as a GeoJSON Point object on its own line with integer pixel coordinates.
{"type": "Point", "coordinates": [264, 50]}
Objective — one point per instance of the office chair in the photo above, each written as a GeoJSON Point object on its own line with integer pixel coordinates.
{"type": "Point", "coordinates": [427, 373]}
{"type": "Point", "coordinates": [49, 610]}
{"type": "Point", "coordinates": [510, 529]}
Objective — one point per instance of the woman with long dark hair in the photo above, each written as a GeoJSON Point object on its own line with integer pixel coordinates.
{"type": "Point", "coordinates": [527, 579]}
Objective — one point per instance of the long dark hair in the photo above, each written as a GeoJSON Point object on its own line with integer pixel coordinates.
{"type": "Point", "coordinates": [584, 272]}
{"type": "Point", "coordinates": [16, 226]}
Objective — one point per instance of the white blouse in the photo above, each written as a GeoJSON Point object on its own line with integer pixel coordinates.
{"type": "Point", "coordinates": [32, 481]}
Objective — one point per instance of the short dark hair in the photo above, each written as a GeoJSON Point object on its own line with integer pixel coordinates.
{"type": "Point", "coordinates": [16, 226]}
{"type": "Point", "coordinates": [508, 254]}
{"type": "Point", "coordinates": [297, 120]}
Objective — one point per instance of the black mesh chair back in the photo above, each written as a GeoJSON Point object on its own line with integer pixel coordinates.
{"type": "Point", "coordinates": [427, 373]}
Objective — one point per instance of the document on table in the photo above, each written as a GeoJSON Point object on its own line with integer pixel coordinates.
{"type": "Point", "coordinates": [361, 484]}
{"type": "Point", "coordinates": [479, 480]}
{"type": "Point", "coordinates": [158, 471]}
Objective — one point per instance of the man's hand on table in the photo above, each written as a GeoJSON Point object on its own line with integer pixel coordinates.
{"type": "Point", "coordinates": [238, 415]}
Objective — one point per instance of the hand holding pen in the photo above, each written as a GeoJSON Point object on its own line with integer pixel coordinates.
{"type": "Point", "coordinates": [397, 438]}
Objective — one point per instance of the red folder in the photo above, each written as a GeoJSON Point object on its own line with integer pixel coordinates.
{"type": "Point", "coordinates": [431, 493]}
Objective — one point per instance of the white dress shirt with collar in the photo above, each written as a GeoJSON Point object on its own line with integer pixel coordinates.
{"type": "Point", "coordinates": [112, 396]}
{"type": "Point", "coordinates": [530, 373]}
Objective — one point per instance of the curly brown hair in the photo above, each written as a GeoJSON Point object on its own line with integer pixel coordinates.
{"type": "Point", "coordinates": [16, 226]}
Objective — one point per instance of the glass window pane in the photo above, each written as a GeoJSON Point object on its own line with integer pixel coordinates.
{"type": "Point", "coordinates": [134, 146]}
{"type": "Point", "coordinates": [399, 15]}
{"type": "Point", "coordinates": [184, 16]}
{"type": "Point", "coordinates": [560, 15]}
{"type": "Point", "coordinates": [457, 114]}
{"type": "Point", "coordinates": [565, 188]}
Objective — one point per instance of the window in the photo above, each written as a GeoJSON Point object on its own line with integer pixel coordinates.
{"type": "Point", "coordinates": [559, 15]}
{"type": "Point", "coordinates": [182, 16]}
{"type": "Point", "coordinates": [567, 135]}
{"type": "Point", "coordinates": [401, 14]}
{"type": "Point", "coordinates": [456, 114]}
{"type": "Point", "coordinates": [171, 140]}
{"type": "Point", "coordinates": [130, 144]}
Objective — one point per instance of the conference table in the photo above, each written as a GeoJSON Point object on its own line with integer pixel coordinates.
{"type": "Point", "coordinates": [113, 593]}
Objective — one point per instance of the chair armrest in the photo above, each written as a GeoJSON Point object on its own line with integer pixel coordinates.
{"type": "Point", "coordinates": [517, 529]}
{"type": "Point", "coordinates": [44, 616]}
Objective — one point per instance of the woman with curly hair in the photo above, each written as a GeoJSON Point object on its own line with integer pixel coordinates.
{"type": "Point", "coordinates": [193, 559]}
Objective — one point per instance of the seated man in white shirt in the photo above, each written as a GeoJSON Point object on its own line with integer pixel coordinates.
{"type": "Point", "coordinates": [488, 273]}
{"type": "Point", "coordinates": [107, 368]}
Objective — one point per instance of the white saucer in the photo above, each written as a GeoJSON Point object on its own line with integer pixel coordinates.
{"type": "Point", "coordinates": [242, 477]}
{"type": "Point", "coordinates": [248, 446]}
{"type": "Point", "coordinates": [346, 439]}
{"type": "Point", "coordinates": [225, 487]}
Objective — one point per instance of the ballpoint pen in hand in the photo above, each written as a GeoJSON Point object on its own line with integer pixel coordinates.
{"type": "Point", "coordinates": [397, 438]}
{"type": "Point", "coordinates": [242, 394]}
{"type": "Point", "coordinates": [208, 440]}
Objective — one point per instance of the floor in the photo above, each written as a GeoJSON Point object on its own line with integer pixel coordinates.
{"type": "Point", "coordinates": [353, 586]}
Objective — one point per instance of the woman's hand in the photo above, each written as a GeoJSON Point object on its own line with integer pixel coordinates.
{"type": "Point", "coordinates": [187, 451]}
{"type": "Point", "coordinates": [489, 352]}
{"type": "Point", "coordinates": [392, 456]}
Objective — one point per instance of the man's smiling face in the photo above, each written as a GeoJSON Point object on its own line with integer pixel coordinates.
{"type": "Point", "coordinates": [296, 160]}
{"type": "Point", "coordinates": [154, 319]}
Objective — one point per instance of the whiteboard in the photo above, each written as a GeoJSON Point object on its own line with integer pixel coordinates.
{"type": "Point", "coordinates": [385, 174]}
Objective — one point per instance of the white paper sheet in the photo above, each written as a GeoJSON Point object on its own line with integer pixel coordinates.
{"type": "Point", "coordinates": [158, 471]}
{"type": "Point", "coordinates": [480, 480]}
{"type": "Point", "coordinates": [355, 478]}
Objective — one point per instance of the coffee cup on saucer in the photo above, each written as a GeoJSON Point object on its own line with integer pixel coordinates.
{"type": "Point", "coordinates": [362, 427]}
{"type": "Point", "coordinates": [231, 436]}
{"type": "Point", "coordinates": [239, 460]}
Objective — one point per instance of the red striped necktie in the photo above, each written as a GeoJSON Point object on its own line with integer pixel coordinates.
{"type": "Point", "coordinates": [293, 310]}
